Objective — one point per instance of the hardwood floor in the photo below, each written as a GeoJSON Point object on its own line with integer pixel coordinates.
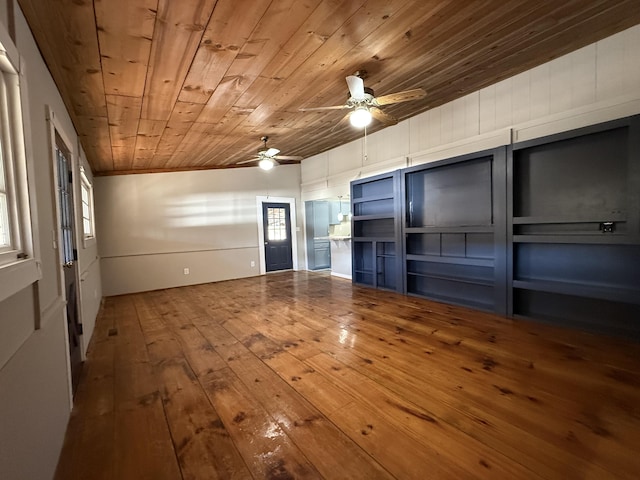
{"type": "Point", "coordinates": [301, 375]}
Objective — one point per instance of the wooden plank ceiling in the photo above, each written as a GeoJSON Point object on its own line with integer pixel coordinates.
{"type": "Point", "coordinates": [160, 85]}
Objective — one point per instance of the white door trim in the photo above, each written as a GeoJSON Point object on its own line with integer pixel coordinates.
{"type": "Point", "coordinates": [294, 230]}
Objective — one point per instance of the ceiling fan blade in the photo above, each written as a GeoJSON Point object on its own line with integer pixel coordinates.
{"type": "Point", "coordinates": [314, 109]}
{"type": "Point", "coordinates": [400, 97]}
{"type": "Point", "coordinates": [271, 152]}
{"type": "Point", "coordinates": [382, 116]}
{"type": "Point", "coordinates": [247, 161]}
{"type": "Point", "coordinates": [288, 157]}
{"type": "Point", "coordinates": [356, 87]}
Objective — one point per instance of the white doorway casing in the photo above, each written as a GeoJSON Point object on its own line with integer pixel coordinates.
{"type": "Point", "coordinates": [294, 229]}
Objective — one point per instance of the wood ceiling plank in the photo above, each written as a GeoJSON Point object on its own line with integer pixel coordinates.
{"type": "Point", "coordinates": [82, 60]}
{"type": "Point", "coordinates": [197, 141]}
{"type": "Point", "coordinates": [275, 28]}
{"type": "Point", "coordinates": [325, 20]}
{"type": "Point", "coordinates": [74, 63]}
{"type": "Point", "coordinates": [296, 85]}
{"type": "Point", "coordinates": [124, 116]}
{"type": "Point", "coordinates": [228, 31]}
{"type": "Point", "coordinates": [309, 76]}
{"type": "Point", "coordinates": [94, 136]}
{"type": "Point", "coordinates": [125, 30]}
{"type": "Point", "coordinates": [177, 35]}
{"type": "Point", "coordinates": [375, 55]}
{"type": "Point", "coordinates": [182, 117]}
{"type": "Point", "coordinates": [148, 137]}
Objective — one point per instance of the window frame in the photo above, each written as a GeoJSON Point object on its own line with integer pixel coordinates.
{"type": "Point", "coordinates": [19, 266]}
{"type": "Point", "coordinates": [86, 185]}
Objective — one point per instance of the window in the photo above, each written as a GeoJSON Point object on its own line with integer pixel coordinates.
{"type": "Point", "coordinates": [87, 206]}
{"type": "Point", "coordinates": [18, 267]}
{"type": "Point", "coordinates": [5, 231]}
{"type": "Point", "coordinates": [276, 224]}
{"type": "Point", "coordinates": [65, 199]}
{"type": "Point", "coordinates": [11, 151]}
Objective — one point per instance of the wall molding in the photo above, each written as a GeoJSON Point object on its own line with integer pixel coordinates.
{"type": "Point", "coordinates": [593, 114]}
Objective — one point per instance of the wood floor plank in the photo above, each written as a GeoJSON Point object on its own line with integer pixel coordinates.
{"type": "Point", "coordinates": [267, 449]}
{"type": "Point", "coordinates": [302, 375]}
{"type": "Point", "coordinates": [143, 446]}
{"type": "Point", "coordinates": [78, 461]}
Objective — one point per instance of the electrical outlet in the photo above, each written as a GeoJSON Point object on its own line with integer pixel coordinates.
{"type": "Point", "coordinates": [185, 271]}
{"type": "Point", "coordinates": [253, 263]}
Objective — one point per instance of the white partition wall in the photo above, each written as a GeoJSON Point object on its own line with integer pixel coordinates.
{"type": "Point", "coordinates": [154, 226]}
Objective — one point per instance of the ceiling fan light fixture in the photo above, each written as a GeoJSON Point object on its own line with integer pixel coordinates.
{"type": "Point", "coordinates": [360, 117]}
{"type": "Point", "coordinates": [266, 164]}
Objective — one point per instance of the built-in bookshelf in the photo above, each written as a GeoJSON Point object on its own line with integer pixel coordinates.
{"type": "Point", "coordinates": [454, 230]}
{"type": "Point", "coordinates": [376, 232]}
{"type": "Point", "coordinates": [547, 229]}
{"type": "Point", "coordinates": [574, 228]}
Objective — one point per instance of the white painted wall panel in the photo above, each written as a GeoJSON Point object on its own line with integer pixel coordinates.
{"type": "Point", "coordinates": [34, 404]}
{"type": "Point", "coordinates": [521, 98]}
{"type": "Point", "coordinates": [487, 106]}
{"type": "Point", "coordinates": [631, 60]}
{"type": "Point", "coordinates": [345, 157]}
{"type": "Point", "coordinates": [503, 104]}
{"type": "Point", "coordinates": [611, 67]}
{"type": "Point", "coordinates": [138, 273]}
{"type": "Point", "coordinates": [583, 76]}
{"type": "Point", "coordinates": [539, 91]}
{"type": "Point", "coordinates": [15, 313]}
{"type": "Point", "coordinates": [315, 167]}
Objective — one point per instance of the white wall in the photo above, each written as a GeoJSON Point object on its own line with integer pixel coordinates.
{"type": "Point", "coordinates": [34, 379]}
{"type": "Point", "coordinates": [597, 83]}
{"type": "Point", "coordinates": [152, 226]}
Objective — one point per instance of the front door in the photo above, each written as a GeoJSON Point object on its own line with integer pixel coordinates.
{"type": "Point", "coordinates": [277, 236]}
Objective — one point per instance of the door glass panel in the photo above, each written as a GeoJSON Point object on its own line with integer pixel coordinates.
{"type": "Point", "coordinates": [276, 224]}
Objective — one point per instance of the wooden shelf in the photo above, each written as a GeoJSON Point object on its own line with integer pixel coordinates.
{"type": "Point", "coordinates": [602, 292]}
{"type": "Point", "coordinates": [591, 218]}
{"type": "Point", "coordinates": [360, 218]}
{"type": "Point", "coordinates": [373, 198]}
{"type": "Point", "coordinates": [487, 306]}
{"type": "Point", "coordinates": [373, 239]}
{"type": "Point", "coordinates": [602, 238]}
{"type": "Point", "coordinates": [458, 229]}
{"type": "Point", "coordinates": [478, 262]}
{"type": "Point", "coordinates": [471, 280]}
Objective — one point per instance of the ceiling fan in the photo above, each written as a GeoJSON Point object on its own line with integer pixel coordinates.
{"type": "Point", "coordinates": [365, 104]}
{"type": "Point", "coordinates": [267, 158]}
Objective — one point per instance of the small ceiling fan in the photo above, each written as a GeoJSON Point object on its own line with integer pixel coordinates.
{"type": "Point", "coordinates": [267, 158]}
{"type": "Point", "coordinates": [365, 104]}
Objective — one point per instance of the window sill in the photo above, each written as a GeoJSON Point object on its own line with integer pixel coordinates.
{"type": "Point", "coordinates": [88, 242]}
{"type": "Point", "coordinates": [17, 276]}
